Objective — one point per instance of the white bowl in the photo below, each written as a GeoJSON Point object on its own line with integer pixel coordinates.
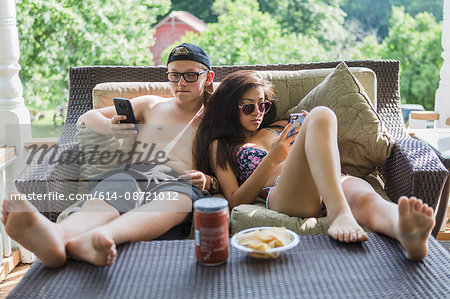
{"type": "Point", "coordinates": [270, 253]}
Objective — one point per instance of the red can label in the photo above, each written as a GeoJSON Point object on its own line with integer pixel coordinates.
{"type": "Point", "coordinates": [211, 237]}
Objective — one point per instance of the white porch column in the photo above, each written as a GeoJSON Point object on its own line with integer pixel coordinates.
{"type": "Point", "coordinates": [15, 128]}
{"type": "Point", "coordinates": [442, 100]}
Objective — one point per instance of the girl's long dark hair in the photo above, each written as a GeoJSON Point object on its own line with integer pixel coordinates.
{"type": "Point", "coordinates": [221, 120]}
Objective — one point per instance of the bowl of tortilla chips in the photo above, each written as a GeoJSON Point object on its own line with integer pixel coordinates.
{"type": "Point", "coordinates": [265, 242]}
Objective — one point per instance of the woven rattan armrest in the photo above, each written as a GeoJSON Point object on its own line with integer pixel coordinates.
{"type": "Point", "coordinates": [414, 169]}
{"type": "Point", "coordinates": [52, 174]}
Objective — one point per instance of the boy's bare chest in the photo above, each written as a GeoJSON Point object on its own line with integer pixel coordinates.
{"type": "Point", "coordinates": [162, 125]}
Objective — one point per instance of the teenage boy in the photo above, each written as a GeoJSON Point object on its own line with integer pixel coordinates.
{"type": "Point", "coordinates": [92, 233]}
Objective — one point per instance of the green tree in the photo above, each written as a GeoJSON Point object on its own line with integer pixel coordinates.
{"type": "Point", "coordinates": [58, 34]}
{"type": "Point", "coordinates": [245, 35]}
{"type": "Point", "coordinates": [413, 7]}
{"type": "Point", "coordinates": [367, 48]}
{"type": "Point", "coordinates": [374, 16]}
{"type": "Point", "coordinates": [416, 42]}
{"type": "Point", "coordinates": [202, 9]}
{"type": "Point", "coordinates": [322, 19]}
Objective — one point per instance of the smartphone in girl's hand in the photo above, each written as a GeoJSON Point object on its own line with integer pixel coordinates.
{"type": "Point", "coordinates": [297, 119]}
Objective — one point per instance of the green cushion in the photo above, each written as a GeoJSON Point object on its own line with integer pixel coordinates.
{"type": "Point", "coordinates": [94, 146]}
{"type": "Point", "coordinates": [363, 142]}
{"type": "Point", "coordinates": [247, 216]}
{"type": "Point", "coordinates": [291, 86]}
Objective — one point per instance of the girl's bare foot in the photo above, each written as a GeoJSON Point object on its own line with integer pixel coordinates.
{"type": "Point", "coordinates": [414, 227]}
{"type": "Point", "coordinates": [344, 228]}
{"type": "Point", "coordinates": [94, 246]}
{"type": "Point", "coordinates": [32, 230]}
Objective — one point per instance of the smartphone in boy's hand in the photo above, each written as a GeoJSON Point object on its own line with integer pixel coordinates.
{"type": "Point", "coordinates": [124, 107]}
{"type": "Point", "coordinates": [297, 119]}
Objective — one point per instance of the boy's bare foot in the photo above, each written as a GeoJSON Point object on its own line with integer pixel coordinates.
{"type": "Point", "coordinates": [414, 227]}
{"type": "Point", "coordinates": [32, 230]}
{"type": "Point", "coordinates": [344, 228]}
{"type": "Point", "coordinates": [94, 246]}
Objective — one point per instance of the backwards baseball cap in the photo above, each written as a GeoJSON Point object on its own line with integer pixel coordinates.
{"type": "Point", "coordinates": [188, 51]}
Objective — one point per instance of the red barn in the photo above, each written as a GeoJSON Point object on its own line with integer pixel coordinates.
{"type": "Point", "coordinates": [171, 29]}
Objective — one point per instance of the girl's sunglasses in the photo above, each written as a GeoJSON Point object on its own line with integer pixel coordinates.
{"type": "Point", "coordinates": [263, 107]}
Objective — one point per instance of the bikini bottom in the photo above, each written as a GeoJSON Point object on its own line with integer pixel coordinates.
{"type": "Point", "coordinates": [324, 208]}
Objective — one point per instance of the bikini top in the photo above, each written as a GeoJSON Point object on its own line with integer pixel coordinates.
{"type": "Point", "coordinates": [248, 159]}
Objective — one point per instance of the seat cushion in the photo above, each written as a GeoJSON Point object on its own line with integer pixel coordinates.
{"type": "Point", "coordinates": [103, 93]}
{"type": "Point", "coordinates": [363, 142]}
{"type": "Point", "coordinates": [254, 215]}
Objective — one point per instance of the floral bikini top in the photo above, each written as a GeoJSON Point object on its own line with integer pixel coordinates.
{"type": "Point", "coordinates": [248, 158]}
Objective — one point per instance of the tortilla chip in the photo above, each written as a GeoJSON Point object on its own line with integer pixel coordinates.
{"type": "Point", "coordinates": [282, 235]}
{"type": "Point", "coordinates": [265, 235]}
{"type": "Point", "coordinates": [265, 239]}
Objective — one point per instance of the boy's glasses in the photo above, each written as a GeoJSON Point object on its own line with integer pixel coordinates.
{"type": "Point", "coordinates": [189, 77]}
{"type": "Point", "coordinates": [263, 107]}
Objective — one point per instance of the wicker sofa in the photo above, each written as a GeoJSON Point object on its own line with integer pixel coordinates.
{"type": "Point", "coordinates": [412, 169]}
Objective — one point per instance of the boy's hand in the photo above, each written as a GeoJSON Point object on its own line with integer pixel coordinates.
{"type": "Point", "coordinates": [196, 177]}
{"type": "Point", "coordinates": [122, 130]}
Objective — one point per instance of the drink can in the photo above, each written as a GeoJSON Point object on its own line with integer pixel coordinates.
{"type": "Point", "coordinates": [211, 230]}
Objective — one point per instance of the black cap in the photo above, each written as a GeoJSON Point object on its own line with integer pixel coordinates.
{"type": "Point", "coordinates": [193, 52]}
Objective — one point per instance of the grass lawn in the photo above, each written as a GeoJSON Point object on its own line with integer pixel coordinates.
{"type": "Point", "coordinates": [44, 127]}
{"type": "Point", "coordinates": [45, 130]}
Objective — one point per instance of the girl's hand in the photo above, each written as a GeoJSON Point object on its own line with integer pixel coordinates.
{"type": "Point", "coordinates": [281, 145]}
{"type": "Point", "coordinates": [122, 130]}
{"type": "Point", "coordinates": [196, 177]}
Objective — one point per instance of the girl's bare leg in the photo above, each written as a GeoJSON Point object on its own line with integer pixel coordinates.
{"type": "Point", "coordinates": [98, 246]}
{"type": "Point", "coordinates": [410, 222]}
{"type": "Point", "coordinates": [311, 173]}
{"type": "Point", "coordinates": [47, 239]}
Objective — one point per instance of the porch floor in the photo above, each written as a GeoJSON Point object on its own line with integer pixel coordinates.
{"type": "Point", "coordinates": [12, 279]}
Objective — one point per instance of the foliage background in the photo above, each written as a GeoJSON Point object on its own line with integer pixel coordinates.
{"type": "Point", "coordinates": [58, 34]}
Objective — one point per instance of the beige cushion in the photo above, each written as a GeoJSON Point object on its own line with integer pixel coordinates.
{"type": "Point", "coordinates": [291, 86]}
{"type": "Point", "coordinates": [103, 93]}
{"type": "Point", "coordinates": [363, 142]}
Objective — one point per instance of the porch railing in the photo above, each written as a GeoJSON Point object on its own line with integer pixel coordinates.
{"type": "Point", "coordinates": [15, 124]}
{"type": "Point", "coordinates": [7, 158]}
